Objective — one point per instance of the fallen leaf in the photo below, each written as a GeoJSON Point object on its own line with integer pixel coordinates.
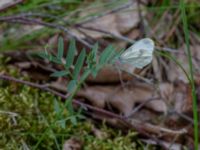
{"type": "Point", "coordinates": [176, 73]}
{"type": "Point", "coordinates": [122, 98]}
{"type": "Point", "coordinates": [109, 74]}
{"type": "Point", "coordinates": [182, 98]}
{"type": "Point", "coordinates": [5, 2]}
{"type": "Point", "coordinates": [99, 134]}
{"type": "Point", "coordinates": [116, 23]}
{"type": "Point", "coordinates": [73, 144]}
{"type": "Point", "coordinates": [166, 145]}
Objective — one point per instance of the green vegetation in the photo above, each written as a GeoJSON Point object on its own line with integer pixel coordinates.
{"type": "Point", "coordinates": [75, 71]}
{"type": "Point", "coordinates": [192, 82]}
{"type": "Point", "coordinates": [39, 120]}
{"type": "Point", "coordinates": [54, 11]}
{"type": "Point", "coordinates": [27, 114]}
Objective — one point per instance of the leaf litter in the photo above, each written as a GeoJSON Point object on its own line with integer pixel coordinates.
{"type": "Point", "coordinates": [163, 109]}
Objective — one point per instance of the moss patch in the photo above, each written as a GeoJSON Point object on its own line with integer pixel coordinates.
{"type": "Point", "coordinates": [28, 119]}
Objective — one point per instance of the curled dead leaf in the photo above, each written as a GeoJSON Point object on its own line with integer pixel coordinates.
{"type": "Point", "coordinates": [116, 23]}
{"type": "Point", "coordinates": [109, 74]}
{"type": "Point", "coordinates": [73, 144]}
{"type": "Point", "coordinates": [176, 73]}
{"type": "Point", "coordinates": [123, 99]}
{"type": "Point", "coordinates": [99, 134]}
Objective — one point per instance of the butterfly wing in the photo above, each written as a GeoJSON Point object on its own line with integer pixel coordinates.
{"type": "Point", "coordinates": [139, 54]}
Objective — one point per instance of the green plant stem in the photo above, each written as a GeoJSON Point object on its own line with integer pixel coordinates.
{"type": "Point", "coordinates": [67, 102]}
{"type": "Point", "coordinates": [82, 79]}
{"type": "Point", "coordinates": [192, 84]}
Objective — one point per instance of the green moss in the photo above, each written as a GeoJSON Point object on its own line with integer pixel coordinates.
{"type": "Point", "coordinates": [28, 118]}
{"type": "Point", "coordinates": [27, 114]}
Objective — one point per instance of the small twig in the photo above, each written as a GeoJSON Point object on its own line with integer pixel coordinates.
{"type": "Point", "coordinates": [141, 23]}
{"type": "Point", "coordinates": [139, 126]}
{"type": "Point", "coordinates": [11, 4]}
{"type": "Point", "coordinates": [164, 144]}
{"type": "Point", "coordinates": [24, 145]}
{"type": "Point", "coordinates": [187, 118]}
{"type": "Point", "coordinates": [158, 25]}
{"type": "Point", "coordinates": [9, 113]}
{"type": "Point", "coordinates": [105, 32]}
{"type": "Point", "coordinates": [171, 50]}
{"type": "Point", "coordinates": [46, 88]}
{"type": "Point", "coordinates": [155, 129]}
{"type": "Point", "coordinates": [120, 37]}
{"type": "Point", "coordinates": [24, 20]}
{"type": "Point", "coordinates": [136, 109]}
{"type": "Point", "coordinates": [12, 115]}
{"type": "Point", "coordinates": [43, 15]}
{"type": "Point", "coordinates": [174, 25]}
{"type": "Point", "coordinates": [106, 13]}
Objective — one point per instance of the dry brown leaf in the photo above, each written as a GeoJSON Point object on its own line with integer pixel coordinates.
{"type": "Point", "coordinates": [96, 95]}
{"type": "Point", "coordinates": [175, 73]}
{"type": "Point", "coordinates": [166, 91]}
{"type": "Point", "coordinates": [133, 34]}
{"type": "Point", "coordinates": [127, 19]}
{"type": "Point", "coordinates": [99, 134]}
{"type": "Point", "coordinates": [109, 74]}
{"type": "Point", "coordinates": [59, 85]}
{"type": "Point", "coordinates": [23, 65]}
{"type": "Point", "coordinates": [118, 123]}
{"type": "Point", "coordinates": [178, 97]}
{"type": "Point", "coordinates": [115, 23]}
{"type": "Point", "coordinates": [157, 69]}
{"type": "Point", "coordinates": [182, 98]}
{"type": "Point", "coordinates": [5, 3]}
{"type": "Point", "coordinates": [167, 145]}
{"type": "Point", "coordinates": [123, 99]}
{"type": "Point", "coordinates": [73, 144]}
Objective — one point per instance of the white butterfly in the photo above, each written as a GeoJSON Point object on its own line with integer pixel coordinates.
{"type": "Point", "coordinates": [139, 54]}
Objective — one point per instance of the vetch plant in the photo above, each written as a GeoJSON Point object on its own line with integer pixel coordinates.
{"type": "Point", "coordinates": [77, 70]}
{"type": "Point", "coordinates": [138, 55]}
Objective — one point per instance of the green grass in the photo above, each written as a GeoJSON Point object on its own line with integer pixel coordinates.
{"type": "Point", "coordinates": [53, 12]}
{"type": "Point", "coordinates": [192, 84]}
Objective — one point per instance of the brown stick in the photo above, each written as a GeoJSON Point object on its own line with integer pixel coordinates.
{"type": "Point", "coordinates": [25, 20]}
{"type": "Point", "coordinates": [142, 128]}
{"type": "Point", "coordinates": [45, 87]}
{"type": "Point", "coordinates": [127, 5]}
{"type": "Point", "coordinates": [11, 4]}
